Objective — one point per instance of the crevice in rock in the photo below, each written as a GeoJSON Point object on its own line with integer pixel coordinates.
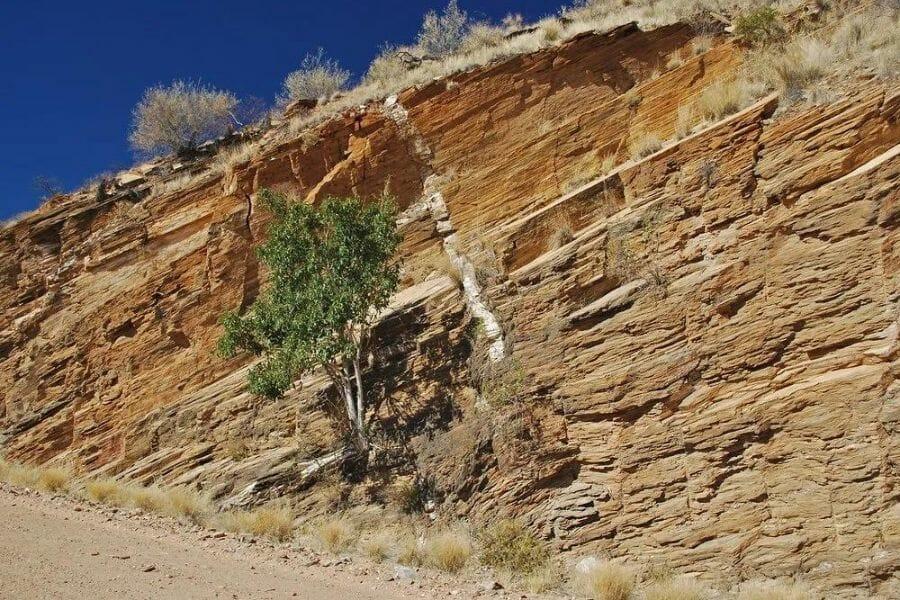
{"type": "Point", "coordinates": [433, 203]}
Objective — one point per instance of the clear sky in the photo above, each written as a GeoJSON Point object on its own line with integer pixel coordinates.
{"type": "Point", "coordinates": [72, 71]}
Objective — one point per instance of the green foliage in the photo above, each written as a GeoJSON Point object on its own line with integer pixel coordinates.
{"type": "Point", "coordinates": [508, 545]}
{"type": "Point", "coordinates": [760, 26]}
{"type": "Point", "coordinates": [331, 271]}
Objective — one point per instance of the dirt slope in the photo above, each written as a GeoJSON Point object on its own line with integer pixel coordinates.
{"type": "Point", "coordinates": [51, 549]}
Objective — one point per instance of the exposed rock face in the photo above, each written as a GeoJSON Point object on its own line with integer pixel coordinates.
{"type": "Point", "coordinates": [709, 335]}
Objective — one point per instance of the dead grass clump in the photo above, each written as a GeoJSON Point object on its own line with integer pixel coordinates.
{"type": "Point", "coordinates": [336, 535]}
{"type": "Point", "coordinates": [543, 580]}
{"type": "Point", "coordinates": [149, 499]}
{"type": "Point", "coordinates": [23, 476]}
{"type": "Point", "coordinates": [448, 551]}
{"type": "Point", "coordinates": [774, 590]}
{"type": "Point", "coordinates": [410, 551]}
{"type": "Point", "coordinates": [273, 522]}
{"type": "Point", "coordinates": [676, 588]}
{"type": "Point", "coordinates": [106, 491]}
{"type": "Point", "coordinates": [509, 546]}
{"type": "Point", "coordinates": [643, 144]}
{"type": "Point", "coordinates": [722, 98]}
{"type": "Point", "coordinates": [551, 30]}
{"type": "Point", "coordinates": [684, 122]}
{"type": "Point", "coordinates": [802, 63]}
{"type": "Point", "coordinates": [5, 468]}
{"type": "Point", "coordinates": [702, 44]}
{"type": "Point", "coordinates": [54, 480]}
{"type": "Point", "coordinates": [378, 546]}
{"type": "Point", "coordinates": [483, 35]}
{"type": "Point", "coordinates": [606, 581]}
{"type": "Point", "coordinates": [562, 233]}
{"type": "Point", "coordinates": [188, 503]}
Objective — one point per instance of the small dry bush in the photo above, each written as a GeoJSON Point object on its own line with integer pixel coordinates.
{"type": "Point", "coordinates": [702, 44]}
{"type": "Point", "coordinates": [643, 144]}
{"type": "Point", "coordinates": [336, 535]}
{"type": "Point", "coordinates": [106, 491]}
{"type": "Point", "coordinates": [606, 581]}
{"type": "Point", "coordinates": [54, 479]}
{"type": "Point", "coordinates": [23, 476]}
{"type": "Point", "coordinates": [273, 522]}
{"type": "Point", "coordinates": [410, 550]}
{"type": "Point", "coordinates": [180, 116]}
{"type": "Point", "coordinates": [448, 551]}
{"type": "Point", "coordinates": [509, 546]}
{"type": "Point", "coordinates": [318, 77]}
{"type": "Point", "coordinates": [774, 590]}
{"type": "Point", "coordinates": [723, 98]}
{"type": "Point", "coordinates": [386, 69]}
{"type": "Point", "coordinates": [443, 34]}
{"type": "Point", "coordinates": [552, 30]}
{"type": "Point", "coordinates": [543, 580]}
{"type": "Point", "coordinates": [378, 546]}
{"type": "Point", "coordinates": [188, 503]}
{"type": "Point", "coordinates": [677, 588]}
{"type": "Point", "coordinates": [483, 35]}
{"type": "Point", "coordinates": [802, 63]}
{"type": "Point", "coordinates": [760, 26]}
{"type": "Point", "coordinates": [149, 499]}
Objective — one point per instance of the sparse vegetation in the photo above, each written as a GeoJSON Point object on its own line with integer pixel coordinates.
{"type": "Point", "coordinates": [106, 491]}
{"type": "Point", "coordinates": [275, 522]}
{"type": "Point", "coordinates": [684, 122]}
{"type": "Point", "coordinates": [378, 546]}
{"type": "Point", "coordinates": [675, 588]}
{"type": "Point", "coordinates": [759, 26]}
{"type": "Point", "coordinates": [188, 503]}
{"type": "Point", "coordinates": [543, 580]}
{"type": "Point", "coordinates": [606, 581]}
{"type": "Point", "coordinates": [54, 480]}
{"type": "Point", "coordinates": [448, 551]}
{"type": "Point", "coordinates": [643, 143]}
{"type": "Point", "coordinates": [336, 535]}
{"type": "Point", "coordinates": [774, 590]}
{"type": "Point", "coordinates": [443, 33]}
{"type": "Point", "coordinates": [723, 98]}
{"type": "Point", "coordinates": [318, 77]}
{"type": "Point", "coordinates": [410, 551]}
{"type": "Point", "coordinates": [178, 117]}
{"type": "Point", "coordinates": [508, 546]}
{"type": "Point", "coordinates": [801, 63]}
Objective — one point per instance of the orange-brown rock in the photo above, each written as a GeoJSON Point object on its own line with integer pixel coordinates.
{"type": "Point", "coordinates": [708, 336]}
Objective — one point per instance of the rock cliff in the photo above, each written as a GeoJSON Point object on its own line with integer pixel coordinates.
{"type": "Point", "coordinates": [707, 336]}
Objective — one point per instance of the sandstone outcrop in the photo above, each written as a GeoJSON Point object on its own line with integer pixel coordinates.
{"type": "Point", "coordinates": [708, 336]}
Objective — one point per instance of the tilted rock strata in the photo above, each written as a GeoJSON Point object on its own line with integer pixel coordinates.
{"type": "Point", "coordinates": [709, 335]}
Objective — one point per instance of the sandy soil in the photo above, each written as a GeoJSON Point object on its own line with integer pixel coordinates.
{"type": "Point", "coordinates": [55, 547]}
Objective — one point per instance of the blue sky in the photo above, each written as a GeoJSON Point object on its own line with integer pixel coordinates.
{"type": "Point", "coordinates": [72, 71]}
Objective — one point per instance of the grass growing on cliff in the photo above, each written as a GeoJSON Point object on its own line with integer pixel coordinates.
{"type": "Point", "coordinates": [676, 588]}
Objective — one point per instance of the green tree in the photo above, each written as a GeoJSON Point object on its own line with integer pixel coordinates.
{"type": "Point", "coordinates": [331, 273]}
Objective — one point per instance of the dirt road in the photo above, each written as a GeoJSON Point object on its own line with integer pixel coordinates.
{"type": "Point", "coordinates": [55, 548]}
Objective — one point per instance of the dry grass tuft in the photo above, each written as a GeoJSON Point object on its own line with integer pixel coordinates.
{"type": "Point", "coordinates": [448, 551]}
{"type": "Point", "coordinates": [723, 98]}
{"type": "Point", "coordinates": [410, 551]}
{"type": "Point", "coordinates": [149, 499]}
{"type": "Point", "coordinates": [774, 590]}
{"type": "Point", "coordinates": [188, 503]}
{"type": "Point", "coordinates": [378, 546]}
{"type": "Point", "coordinates": [5, 468]}
{"type": "Point", "coordinates": [643, 144]}
{"type": "Point", "coordinates": [676, 588]}
{"type": "Point", "coordinates": [106, 491]}
{"type": "Point", "coordinates": [509, 546]}
{"type": "Point", "coordinates": [54, 480]}
{"type": "Point", "coordinates": [702, 44]}
{"type": "Point", "coordinates": [802, 63]}
{"type": "Point", "coordinates": [543, 580]}
{"type": "Point", "coordinates": [606, 581]}
{"type": "Point", "coordinates": [684, 122]}
{"type": "Point", "coordinates": [336, 535]}
{"type": "Point", "coordinates": [273, 522]}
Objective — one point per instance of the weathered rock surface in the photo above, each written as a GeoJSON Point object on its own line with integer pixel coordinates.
{"type": "Point", "coordinates": [709, 336]}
